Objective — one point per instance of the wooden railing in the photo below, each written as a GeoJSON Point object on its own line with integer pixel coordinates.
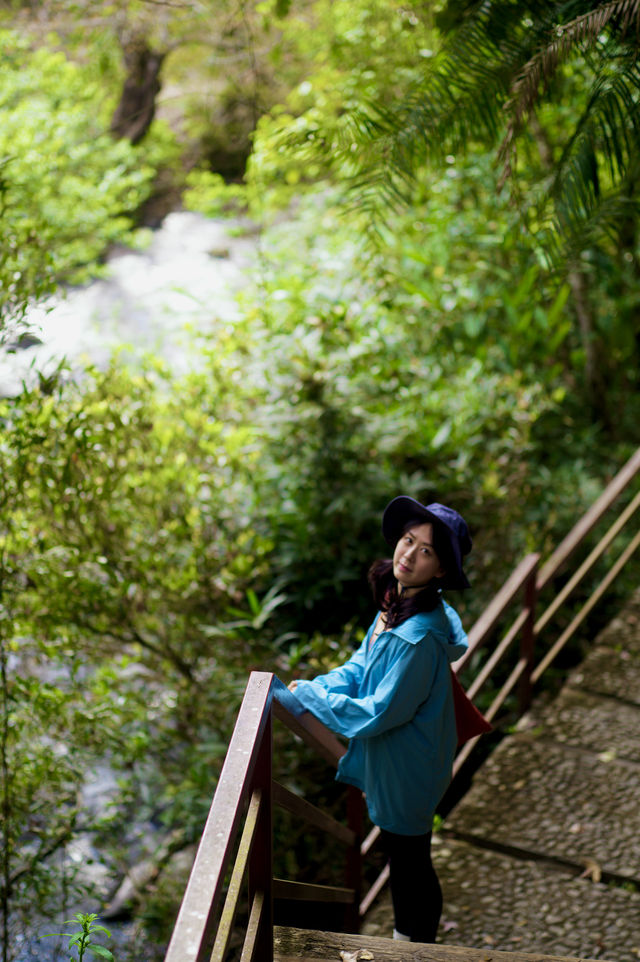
{"type": "Point", "coordinates": [246, 791]}
{"type": "Point", "coordinates": [530, 580]}
{"type": "Point", "coordinates": [243, 806]}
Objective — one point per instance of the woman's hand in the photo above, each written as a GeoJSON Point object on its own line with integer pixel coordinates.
{"type": "Point", "coordinates": [293, 685]}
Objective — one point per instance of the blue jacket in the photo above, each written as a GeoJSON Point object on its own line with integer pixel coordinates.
{"type": "Point", "coordinates": [394, 702]}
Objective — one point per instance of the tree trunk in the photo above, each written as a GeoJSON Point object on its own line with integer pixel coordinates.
{"type": "Point", "coordinates": [629, 263]}
{"type": "Point", "coordinates": [133, 115]}
{"type": "Point", "coordinates": [578, 283]}
{"type": "Point", "coordinates": [592, 369]}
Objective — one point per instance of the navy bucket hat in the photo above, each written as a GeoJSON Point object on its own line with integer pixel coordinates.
{"type": "Point", "coordinates": [403, 510]}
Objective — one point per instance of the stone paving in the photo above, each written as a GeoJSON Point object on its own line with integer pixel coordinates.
{"type": "Point", "coordinates": [543, 853]}
{"type": "Point", "coordinates": [588, 721]}
{"type": "Point", "coordinates": [517, 905]}
{"type": "Point", "coordinates": [558, 802]}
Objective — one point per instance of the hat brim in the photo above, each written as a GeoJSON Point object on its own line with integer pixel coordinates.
{"type": "Point", "coordinates": [400, 512]}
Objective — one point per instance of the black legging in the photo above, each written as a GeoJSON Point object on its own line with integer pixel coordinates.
{"type": "Point", "coordinates": [415, 889]}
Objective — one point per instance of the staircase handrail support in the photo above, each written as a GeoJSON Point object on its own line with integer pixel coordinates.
{"type": "Point", "coordinates": [194, 924]}
{"type": "Point", "coordinates": [589, 520]}
{"type": "Point", "coordinates": [246, 786]}
{"type": "Point", "coordinates": [524, 577]}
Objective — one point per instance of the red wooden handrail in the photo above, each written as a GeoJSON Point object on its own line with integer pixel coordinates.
{"type": "Point", "coordinates": [577, 535]}
{"type": "Point", "coordinates": [525, 576]}
{"type": "Point", "coordinates": [195, 922]}
{"type": "Point", "coordinates": [246, 791]}
{"type": "Point", "coordinates": [489, 618]}
{"type": "Point", "coordinates": [531, 581]}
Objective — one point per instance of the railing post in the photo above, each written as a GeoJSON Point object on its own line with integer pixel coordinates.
{"type": "Point", "coordinates": [528, 640]}
{"type": "Point", "coordinates": [353, 880]}
{"type": "Point", "coordinates": [261, 860]}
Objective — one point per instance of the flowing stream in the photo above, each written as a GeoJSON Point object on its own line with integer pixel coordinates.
{"type": "Point", "coordinates": [154, 301]}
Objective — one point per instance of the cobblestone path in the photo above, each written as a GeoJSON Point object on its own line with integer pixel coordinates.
{"type": "Point", "coordinates": [543, 853]}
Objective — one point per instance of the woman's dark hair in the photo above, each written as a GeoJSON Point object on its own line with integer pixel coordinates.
{"type": "Point", "coordinates": [385, 587]}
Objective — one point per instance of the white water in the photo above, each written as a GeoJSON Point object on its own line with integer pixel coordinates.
{"type": "Point", "coordinates": [155, 301]}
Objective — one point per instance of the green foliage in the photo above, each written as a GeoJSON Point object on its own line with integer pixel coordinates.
{"type": "Point", "coordinates": [208, 194]}
{"type": "Point", "coordinates": [68, 190]}
{"type": "Point", "coordinates": [226, 521]}
{"type": "Point", "coordinates": [349, 54]}
{"type": "Point", "coordinates": [81, 941]}
{"type": "Point", "coordinates": [568, 96]}
{"type": "Point", "coordinates": [348, 416]}
{"type": "Point", "coordinates": [125, 555]}
{"type": "Point", "coordinates": [492, 69]}
{"type": "Point", "coordinates": [462, 238]}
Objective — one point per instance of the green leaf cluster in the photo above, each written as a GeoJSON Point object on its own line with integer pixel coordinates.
{"type": "Point", "coordinates": [67, 189]}
{"type": "Point", "coordinates": [124, 551]}
{"type": "Point", "coordinates": [413, 156]}
{"type": "Point", "coordinates": [82, 941]}
{"type": "Point", "coordinates": [419, 366]}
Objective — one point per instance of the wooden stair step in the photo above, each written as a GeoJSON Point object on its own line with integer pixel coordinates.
{"type": "Point", "coordinates": [306, 945]}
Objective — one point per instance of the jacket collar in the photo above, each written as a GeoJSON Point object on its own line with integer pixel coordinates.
{"type": "Point", "coordinates": [413, 629]}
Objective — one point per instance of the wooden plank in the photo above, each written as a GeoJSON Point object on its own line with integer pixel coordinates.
{"type": "Point", "coordinates": [261, 858]}
{"type": "Point", "coordinates": [194, 924]}
{"type": "Point", "coordinates": [313, 732]}
{"type": "Point", "coordinates": [253, 929]}
{"type": "Point", "coordinates": [304, 945]}
{"type": "Point", "coordinates": [353, 876]}
{"type": "Point", "coordinates": [374, 891]}
{"type": "Point", "coordinates": [497, 654]}
{"type": "Point", "coordinates": [506, 690]}
{"type": "Point", "coordinates": [586, 566]}
{"type": "Point", "coordinates": [604, 585]}
{"type": "Point", "coordinates": [311, 814]}
{"type": "Point", "coordinates": [369, 841]}
{"type": "Point", "coordinates": [235, 885]}
{"type": "Point", "coordinates": [306, 892]}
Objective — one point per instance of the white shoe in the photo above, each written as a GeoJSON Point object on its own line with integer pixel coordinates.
{"type": "Point", "coordinates": [399, 937]}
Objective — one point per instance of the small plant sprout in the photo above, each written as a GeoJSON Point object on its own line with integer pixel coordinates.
{"type": "Point", "coordinates": [81, 940]}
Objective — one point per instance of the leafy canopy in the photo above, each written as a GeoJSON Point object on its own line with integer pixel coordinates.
{"type": "Point", "coordinates": [67, 189]}
{"type": "Point", "coordinates": [483, 78]}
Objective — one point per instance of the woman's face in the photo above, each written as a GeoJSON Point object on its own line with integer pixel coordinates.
{"type": "Point", "coordinates": [415, 562]}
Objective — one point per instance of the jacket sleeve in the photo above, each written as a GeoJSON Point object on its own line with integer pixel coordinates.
{"type": "Point", "coordinates": [458, 642]}
{"type": "Point", "coordinates": [344, 680]}
{"type": "Point", "coordinates": [402, 689]}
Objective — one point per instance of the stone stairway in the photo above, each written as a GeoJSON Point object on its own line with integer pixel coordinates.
{"type": "Point", "coordinates": [542, 855]}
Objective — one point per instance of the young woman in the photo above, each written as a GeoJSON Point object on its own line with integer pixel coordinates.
{"type": "Point", "coordinates": [393, 699]}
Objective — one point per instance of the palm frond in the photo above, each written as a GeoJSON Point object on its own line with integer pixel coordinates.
{"type": "Point", "coordinates": [562, 42]}
{"type": "Point", "coordinates": [458, 98]}
{"type": "Point", "coordinates": [573, 234]}
{"type": "Point", "coordinates": [497, 62]}
{"type": "Point", "coordinates": [607, 133]}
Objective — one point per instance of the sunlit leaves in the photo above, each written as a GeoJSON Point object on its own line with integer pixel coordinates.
{"type": "Point", "coordinates": [123, 540]}
{"type": "Point", "coordinates": [67, 188]}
